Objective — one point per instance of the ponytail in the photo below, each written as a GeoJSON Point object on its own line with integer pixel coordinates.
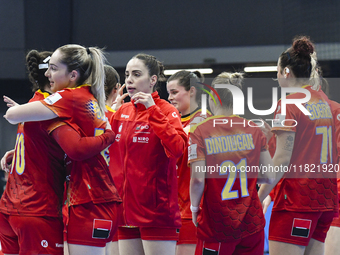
{"type": "Point", "coordinates": [37, 64]}
{"type": "Point", "coordinates": [89, 63]}
{"type": "Point", "coordinates": [97, 77]}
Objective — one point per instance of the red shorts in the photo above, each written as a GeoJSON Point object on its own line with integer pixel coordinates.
{"type": "Point", "coordinates": [336, 222]}
{"type": "Point", "coordinates": [31, 235]}
{"type": "Point", "coordinates": [299, 227]}
{"type": "Point", "coordinates": [148, 233]}
{"type": "Point", "coordinates": [115, 237]}
{"type": "Point", "coordinates": [187, 233]}
{"type": "Point", "coordinates": [250, 245]}
{"type": "Point", "coordinates": [91, 224]}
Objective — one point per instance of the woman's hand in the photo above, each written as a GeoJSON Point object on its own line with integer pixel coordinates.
{"type": "Point", "coordinates": [266, 129]}
{"type": "Point", "coordinates": [194, 218]}
{"type": "Point", "coordinates": [108, 125]}
{"type": "Point", "coordinates": [10, 102]}
{"type": "Point", "coordinates": [120, 97]}
{"type": "Point", "coordinates": [143, 98]}
{"type": "Point", "coordinates": [6, 161]}
{"type": "Point", "coordinates": [266, 203]}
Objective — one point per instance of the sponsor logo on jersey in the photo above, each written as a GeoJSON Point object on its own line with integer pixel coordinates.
{"type": "Point", "coordinates": [143, 139]}
{"type": "Point", "coordinates": [174, 114]}
{"type": "Point", "coordinates": [338, 117]}
{"type": "Point", "coordinates": [124, 116]}
{"type": "Point", "coordinates": [197, 120]}
{"type": "Point", "coordinates": [120, 128]}
{"type": "Point", "coordinates": [301, 227]}
{"type": "Point", "coordinates": [118, 137]}
{"type": "Point", "coordinates": [211, 248]}
{"type": "Point", "coordinates": [278, 121]}
{"type": "Point", "coordinates": [141, 127]}
{"type": "Point", "coordinates": [53, 98]}
{"type": "Point", "coordinates": [192, 152]}
{"type": "Point", "coordinates": [59, 245]}
{"type": "Point", "coordinates": [44, 243]}
{"type": "Point", "coordinates": [101, 228]}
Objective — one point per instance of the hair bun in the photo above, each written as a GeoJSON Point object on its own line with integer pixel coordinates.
{"type": "Point", "coordinates": [303, 46]}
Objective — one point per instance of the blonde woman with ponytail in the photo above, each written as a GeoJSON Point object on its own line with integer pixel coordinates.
{"type": "Point", "coordinates": [76, 76]}
{"type": "Point", "coordinates": [225, 206]}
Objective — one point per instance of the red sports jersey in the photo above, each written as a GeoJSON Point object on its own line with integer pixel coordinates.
{"type": "Point", "coordinates": [308, 191]}
{"type": "Point", "coordinates": [143, 162]}
{"type": "Point", "coordinates": [231, 208]}
{"type": "Point", "coordinates": [35, 183]}
{"type": "Point", "coordinates": [335, 106]}
{"type": "Point", "coordinates": [90, 179]}
{"type": "Point", "coordinates": [109, 112]}
{"type": "Point", "coordinates": [183, 170]}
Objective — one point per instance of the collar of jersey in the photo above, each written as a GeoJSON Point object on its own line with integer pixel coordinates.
{"type": "Point", "coordinates": [220, 116]}
{"type": "Point", "coordinates": [44, 93]}
{"type": "Point", "coordinates": [109, 108]}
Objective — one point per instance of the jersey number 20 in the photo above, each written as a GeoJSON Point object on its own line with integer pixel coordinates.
{"type": "Point", "coordinates": [19, 155]}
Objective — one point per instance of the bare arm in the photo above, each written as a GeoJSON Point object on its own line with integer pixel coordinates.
{"type": "Point", "coordinates": [33, 111]}
{"type": "Point", "coordinates": [197, 182]}
{"type": "Point", "coordinates": [283, 154]}
{"type": "Point", "coordinates": [266, 129]}
{"type": "Point", "coordinates": [266, 176]}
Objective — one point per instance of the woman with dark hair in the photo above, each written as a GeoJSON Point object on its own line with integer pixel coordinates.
{"type": "Point", "coordinates": [76, 75]}
{"type": "Point", "coordinates": [149, 140]}
{"type": "Point", "coordinates": [185, 92]}
{"type": "Point", "coordinates": [305, 201]}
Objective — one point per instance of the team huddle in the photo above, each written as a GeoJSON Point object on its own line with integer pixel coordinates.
{"type": "Point", "coordinates": [93, 174]}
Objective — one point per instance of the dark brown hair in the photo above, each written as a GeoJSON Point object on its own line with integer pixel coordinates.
{"type": "Point", "coordinates": [111, 79]}
{"type": "Point", "coordinates": [184, 77]}
{"type": "Point", "coordinates": [154, 67]}
{"type": "Point", "coordinates": [36, 73]}
{"type": "Point", "coordinates": [298, 57]}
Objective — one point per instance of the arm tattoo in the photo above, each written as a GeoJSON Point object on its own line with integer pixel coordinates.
{"type": "Point", "coordinates": [289, 143]}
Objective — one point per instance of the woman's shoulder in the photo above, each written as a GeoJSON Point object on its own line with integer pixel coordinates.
{"type": "Point", "coordinates": [126, 107]}
{"type": "Point", "coordinates": [165, 105]}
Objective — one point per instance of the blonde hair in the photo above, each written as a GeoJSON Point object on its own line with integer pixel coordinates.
{"type": "Point", "coordinates": [314, 79]}
{"type": "Point", "coordinates": [225, 94]}
{"type": "Point", "coordinates": [89, 63]}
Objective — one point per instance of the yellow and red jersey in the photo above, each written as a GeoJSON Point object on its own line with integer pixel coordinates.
{"type": "Point", "coordinates": [109, 112]}
{"type": "Point", "coordinates": [90, 179]}
{"type": "Point", "coordinates": [335, 106]}
{"type": "Point", "coordinates": [35, 182]}
{"type": "Point", "coordinates": [143, 163]}
{"type": "Point", "coordinates": [308, 190]}
{"type": "Point", "coordinates": [231, 209]}
{"type": "Point", "coordinates": [183, 170]}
